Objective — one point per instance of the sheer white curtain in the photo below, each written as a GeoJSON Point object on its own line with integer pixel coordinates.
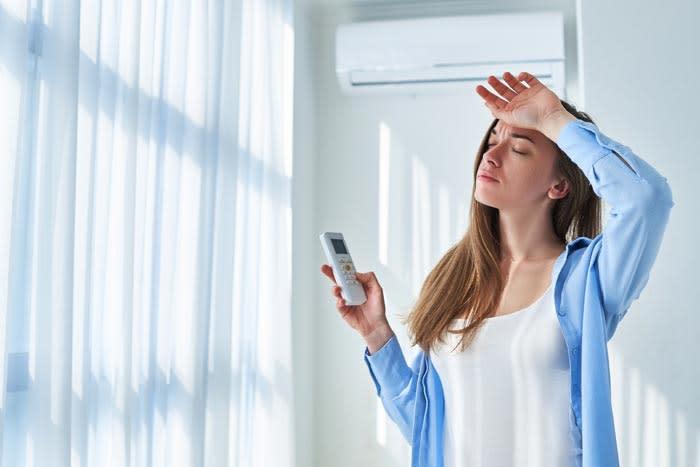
{"type": "Point", "coordinates": [145, 233]}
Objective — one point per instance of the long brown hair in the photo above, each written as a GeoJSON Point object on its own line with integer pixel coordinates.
{"type": "Point", "coordinates": [468, 279]}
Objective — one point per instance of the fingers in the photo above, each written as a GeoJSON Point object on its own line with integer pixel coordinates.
{"type": "Point", "coordinates": [492, 101]}
{"type": "Point", "coordinates": [513, 82]}
{"type": "Point", "coordinates": [501, 88]}
{"type": "Point", "coordinates": [507, 94]}
{"type": "Point", "coordinates": [328, 271]}
{"type": "Point", "coordinates": [528, 78]}
{"type": "Point", "coordinates": [339, 300]}
{"type": "Point", "coordinates": [336, 291]}
{"type": "Point", "coordinates": [368, 279]}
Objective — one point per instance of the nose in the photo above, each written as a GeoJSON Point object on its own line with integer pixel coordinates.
{"type": "Point", "coordinates": [493, 155]}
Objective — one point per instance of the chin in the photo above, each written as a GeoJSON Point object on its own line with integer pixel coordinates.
{"type": "Point", "coordinates": [491, 205]}
{"type": "Point", "coordinates": [487, 201]}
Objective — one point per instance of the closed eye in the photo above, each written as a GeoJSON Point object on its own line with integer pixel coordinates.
{"type": "Point", "coordinates": [517, 152]}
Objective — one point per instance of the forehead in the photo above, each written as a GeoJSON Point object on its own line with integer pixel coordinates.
{"type": "Point", "coordinates": [514, 132]}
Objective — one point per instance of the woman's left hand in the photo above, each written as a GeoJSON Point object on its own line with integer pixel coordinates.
{"type": "Point", "coordinates": [529, 107]}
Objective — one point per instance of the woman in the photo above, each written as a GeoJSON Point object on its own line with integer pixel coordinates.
{"type": "Point", "coordinates": [532, 292]}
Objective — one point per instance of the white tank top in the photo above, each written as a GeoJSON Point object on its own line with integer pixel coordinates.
{"type": "Point", "coordinates": [507, 397]}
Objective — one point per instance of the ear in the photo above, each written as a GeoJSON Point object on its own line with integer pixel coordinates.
{"type": "Point", "coordinates": [560, 190]}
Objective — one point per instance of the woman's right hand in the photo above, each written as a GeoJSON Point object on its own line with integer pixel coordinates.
{"type": "Point", "coordinates": [369, 318]}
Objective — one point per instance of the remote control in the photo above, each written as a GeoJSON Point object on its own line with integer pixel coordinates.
{"type": "Point", "coordinates": [343, 268]}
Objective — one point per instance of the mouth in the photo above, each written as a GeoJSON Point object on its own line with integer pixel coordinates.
{"type": "Point", "coordinates": [486, 178]}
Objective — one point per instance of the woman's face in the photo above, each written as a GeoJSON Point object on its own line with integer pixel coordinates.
{"type": "Point", "coordinates": [522, 164]}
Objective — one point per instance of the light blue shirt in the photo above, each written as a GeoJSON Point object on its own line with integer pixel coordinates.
{"type": "Point", "coordinates": [595, 280]}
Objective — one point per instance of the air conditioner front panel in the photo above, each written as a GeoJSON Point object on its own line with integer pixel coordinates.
{"type": "Point", "coordinates": [463, 39]}
{"type": "Point", "coordinates": [449, 54]}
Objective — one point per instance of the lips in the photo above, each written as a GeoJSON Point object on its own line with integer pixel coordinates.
{"type": "Point", "coordinates": [486, 176]}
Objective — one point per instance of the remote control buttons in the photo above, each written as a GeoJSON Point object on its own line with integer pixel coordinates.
{"type": "Point", "coordinates": [348, 271]}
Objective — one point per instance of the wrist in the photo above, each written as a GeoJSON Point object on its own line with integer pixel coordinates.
{"type": "Point", "coordinates": [379, 336]}
{"type": "Point", "coordinates": [555, 122]}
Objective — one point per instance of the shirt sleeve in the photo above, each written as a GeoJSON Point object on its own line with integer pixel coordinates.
{"type": "Point", "coordinates": [396, 383]}
{"type": "Point", "coordinates": [640, 201]}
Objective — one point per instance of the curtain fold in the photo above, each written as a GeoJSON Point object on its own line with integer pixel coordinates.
{"type": "Point", "coordinates": [145, 233]}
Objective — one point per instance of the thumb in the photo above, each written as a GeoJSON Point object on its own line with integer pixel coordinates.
{"type": "Point", "coordinates": [368, 279]}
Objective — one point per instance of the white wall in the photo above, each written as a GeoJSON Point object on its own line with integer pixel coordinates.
{"type": "Point", "coordinates": [430, 144]}
{"type": "Point", "coordinates": [639, 75]}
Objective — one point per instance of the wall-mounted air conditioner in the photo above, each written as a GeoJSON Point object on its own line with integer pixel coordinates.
{"type": "Point", "coordinates": [449, 54]}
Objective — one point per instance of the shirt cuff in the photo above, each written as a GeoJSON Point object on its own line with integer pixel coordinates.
{"type": "Point", "coordinates": [580, 141]}
{"type": "Point", "coordinates": [585, 144]}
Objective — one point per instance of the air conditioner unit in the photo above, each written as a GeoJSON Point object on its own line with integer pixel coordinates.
{"type": "Point", "coordinates": [449, 54]}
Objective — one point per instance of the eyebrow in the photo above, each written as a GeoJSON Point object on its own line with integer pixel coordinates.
{"type": "Point", "coordinates": [515, 135]}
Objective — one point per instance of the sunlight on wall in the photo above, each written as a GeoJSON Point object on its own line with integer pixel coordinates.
{"type": "Point", "coordinates": [681, 446]}
{"type": "Point", "coordinates": [422, 221]}
{"type": "Point", "coordinates": [445, 215]}
{"type": "Point", "coordinates": [656, 428]}
{"type": "Point", "coordinates": [383, 221]}
{"type": "Point", "coordinates": [390, 445]}
{"type": "Point", "coordinates": [650, 432]}
{"type": "Point", "coordinates": [288, 100]}
{"type": "Point", "coordinates": [381, 421]}
{"type": "Point", "coordinates": [29, 457]}
{"type": "Point", "coordinates": [391, 448]}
